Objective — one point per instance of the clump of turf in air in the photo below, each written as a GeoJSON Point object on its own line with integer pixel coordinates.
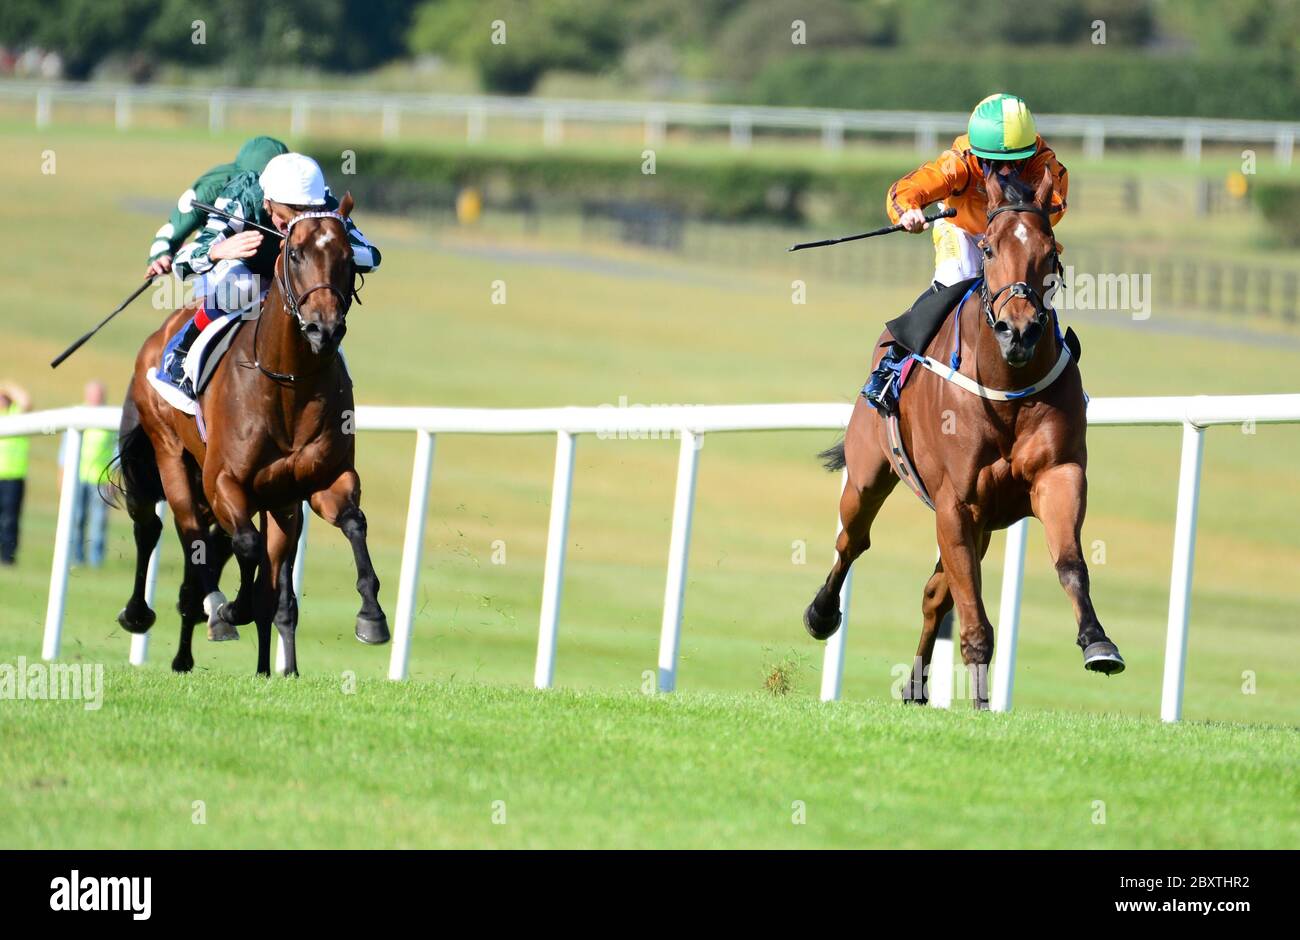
{"type": "Point", "coordinates": [781, 676]}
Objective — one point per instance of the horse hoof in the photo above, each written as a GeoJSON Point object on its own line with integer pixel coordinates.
{"type": "Point", "coordinates": [1103, 656]}
{"type": "Point", "coordinates": [136, 622]}
{"type": "Point", "coordinates": [372, 632]}
{"type": "Point", "coordinates": [819, 626]}
{"type": "Point", "coordinates": [222, 631]}
{"type": "Point", "coordinates": [914, 694]}
{"type": "Point", "coordinates": [182, 665]}
{"type": "Point", "coordinates": [219, 629]}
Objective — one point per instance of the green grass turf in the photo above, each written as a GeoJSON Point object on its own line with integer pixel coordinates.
{"type": "Point", "coordinates": [452, 764]}
{"type": "Point", "coordinates": [586, 327]}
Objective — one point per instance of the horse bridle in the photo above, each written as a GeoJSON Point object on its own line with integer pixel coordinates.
{"type": "Point", "coordinates": [1018, 288]}
{"type": "Point", "coordinates": [293, 301]}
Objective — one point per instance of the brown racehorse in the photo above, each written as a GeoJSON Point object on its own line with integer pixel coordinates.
{"type": "Point", "coordinates": [985, 463]}
{"type": "Point", "coordinates": [279, 413]}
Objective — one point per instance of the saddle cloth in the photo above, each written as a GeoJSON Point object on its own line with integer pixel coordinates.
{"type": "Point", "coordinates": [201, 361]}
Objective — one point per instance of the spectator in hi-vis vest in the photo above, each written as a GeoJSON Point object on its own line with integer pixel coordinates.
{"type": "Point", "coordinates": [89, 511]}
{"type": "Point", "coordinates": [13, 471]}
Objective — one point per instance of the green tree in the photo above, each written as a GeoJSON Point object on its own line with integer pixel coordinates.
{"type": "Point", "coordinates": [763, 31]}
{"type": "Point", "coordinates": [513, 43]}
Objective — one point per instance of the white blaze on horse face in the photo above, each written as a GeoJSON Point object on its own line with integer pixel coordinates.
{"type": "Point", "coordinates": [1022, 233]}
{"type": "Point", "coordinates": [325, 238]}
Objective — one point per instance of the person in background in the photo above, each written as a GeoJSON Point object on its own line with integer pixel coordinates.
{"type": "Point", "coordinates": [13, 471]}
{"type": "Point", "coordinates": [89, 511]}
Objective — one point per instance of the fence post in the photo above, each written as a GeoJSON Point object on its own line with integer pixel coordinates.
{"type": "Point", "coordinates": [1094, 141]}
{"type": "Point", "coordinates": [1180, 581]}
{"type": "Point", "coordinates": [557, 540]}
{"type": "Point", "coordinates": [742, 131]}
{"type": "Point", "coordinates": [942, 661]}
{"type": "Point", "coordinates": [670, 634]}
{"type": "Point", "coordinates": [553, 128]}
{"type": "Point", "coordinates": [43, 108]}
{"type": "Point", "coordinates": [412, 547]}
{"type": "Point", "coordinates": [1008, 635]}
{"type": "Point", "coordinates": [833, 655]}
{"type": "Point", "coordinates": [1283, 148]}
{"type": "Point", "coordinates": [927, 138]}
{"type": "Point", "coordinates": [656, 128]}
{"type": "Point", "coordinates": [475, 125]}
{"type": "Point", "coordinates": [298, 117]}
{"type": "Point", "coordinates": [216, 114]}
{"type": "Point", "coordinates": [299, 565]}
{"type": "Point", "coordinates": [392, 127]}
{"type": "Point", "coordinates": [833, 134]}
{"type": "Point", "coordinates": [122, 110]}
{"type": "Point", "coordinates": [140, 641]}
{"type": "Point", "coordinates": [62, 543]}
{"type": "Point", "coordinates": [939, 681]}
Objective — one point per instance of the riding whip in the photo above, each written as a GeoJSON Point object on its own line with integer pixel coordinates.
{"type": "Point", "coordinates": [120, 307]}
{"type": "Point", "coordinates": [945, 214]}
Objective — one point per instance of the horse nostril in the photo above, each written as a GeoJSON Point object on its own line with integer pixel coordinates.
{"type": "Point", "coordinates": [312, 328]}
{"type": "Point", "coordinates": [1002, 326]}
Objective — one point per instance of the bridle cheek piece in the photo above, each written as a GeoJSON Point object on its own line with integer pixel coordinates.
{"type": "Point", "coordinates": [293, 301]}
{"type": "Point", "coordinates": [989, 301]}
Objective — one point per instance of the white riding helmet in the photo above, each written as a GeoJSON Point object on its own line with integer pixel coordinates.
{"type": "Point", "coordinates": [293, 179]}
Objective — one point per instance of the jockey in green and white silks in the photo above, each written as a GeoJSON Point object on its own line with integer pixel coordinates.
{"type": "Point", "coordinates": [233, 264]}
{"type": "Point", "coordinates": [185, 220]}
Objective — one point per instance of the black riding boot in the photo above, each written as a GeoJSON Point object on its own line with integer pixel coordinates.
{"type": "Point", "coordinates": [881, 390]}
{"type": "Point", "coordinates": [176, 367]}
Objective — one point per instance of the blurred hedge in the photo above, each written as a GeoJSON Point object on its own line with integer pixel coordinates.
{"type": "Point", "coordinates": [1279, 203]}
{"type": "Point", "coordinates": [1090, 80]}
{"type": "Point", "coordinates": [708, 188]}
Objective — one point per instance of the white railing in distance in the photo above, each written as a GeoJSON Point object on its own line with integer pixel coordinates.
{"type": "Point", "coordinates": [829, 125]}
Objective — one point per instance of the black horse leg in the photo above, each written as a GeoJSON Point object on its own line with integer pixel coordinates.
{"type": "Point", "coordinates": [372, 624]}
{"type": "Point", "coordinates": [136, 616]}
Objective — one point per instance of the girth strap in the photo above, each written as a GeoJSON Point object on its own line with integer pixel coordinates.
{"type": "Point", "coordinates": [902, 464]}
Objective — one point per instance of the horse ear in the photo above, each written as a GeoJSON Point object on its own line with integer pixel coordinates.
{"type": "Point", "coordinates": [345, 207]}
{"type": "Point", "coordinates": [1043, 195]}
{"type": "Point", "coordinates": [993, 186]}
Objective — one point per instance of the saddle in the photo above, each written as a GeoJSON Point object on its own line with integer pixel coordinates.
{"type": "Point", "coordinates": [200, 362]}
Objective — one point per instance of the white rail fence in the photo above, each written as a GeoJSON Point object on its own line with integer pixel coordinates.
{"type": "Point", "coordinates": [690, 424]}
{"type": "Point", "coordinates": [654, 119]}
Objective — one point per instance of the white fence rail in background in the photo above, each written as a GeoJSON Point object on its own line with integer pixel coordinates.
{"type": "Point", "coordinates": [653, 119]}
{"type": "Point", "coordinates": [691, 423]}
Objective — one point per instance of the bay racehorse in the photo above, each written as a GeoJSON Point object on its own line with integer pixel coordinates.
{"type": "Point", "coordinates": [279, 416]}
{"type": "Point", "coordinates": [1000, 440]}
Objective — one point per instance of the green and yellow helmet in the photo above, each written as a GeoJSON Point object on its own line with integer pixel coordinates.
{"type": "Point", "coordinates": [1001, 128]}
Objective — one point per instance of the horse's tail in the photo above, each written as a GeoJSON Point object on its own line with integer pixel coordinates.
{"type": "Point", "coordinates": [133, 472]}
{"type": "Point", "coordinates": [832, 458]}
